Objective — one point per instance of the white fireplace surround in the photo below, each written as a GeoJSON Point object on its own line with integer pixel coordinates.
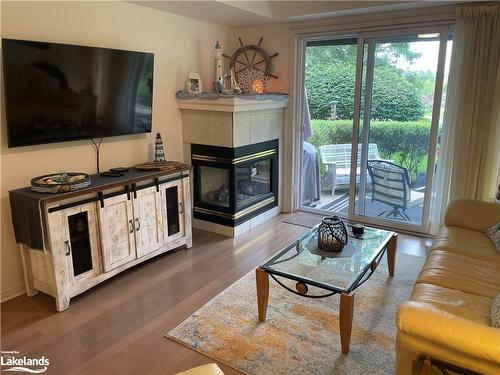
{"type": "Point", "coordinates": [233, 122]}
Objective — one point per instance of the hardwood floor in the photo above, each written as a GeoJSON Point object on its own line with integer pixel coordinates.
{"type": "Point", "coordinates": [118, 326]}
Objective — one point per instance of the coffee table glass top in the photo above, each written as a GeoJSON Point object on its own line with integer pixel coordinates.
{"type": "Point", "coordinates": [302, 260]}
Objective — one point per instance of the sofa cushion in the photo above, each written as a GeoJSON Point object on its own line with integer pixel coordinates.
{"type": "Point", "coordinates": [461, 272]}
{"type": "Point", "coordinates": [465, 305]}
{"type": "Point", "coordinates": [466, 242]}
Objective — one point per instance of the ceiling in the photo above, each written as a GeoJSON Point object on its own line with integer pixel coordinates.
{"type": "Point", "coordinates": [254, 13]}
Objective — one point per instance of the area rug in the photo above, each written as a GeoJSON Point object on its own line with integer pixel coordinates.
{"type": "Point", "coordinates": [301, 335]}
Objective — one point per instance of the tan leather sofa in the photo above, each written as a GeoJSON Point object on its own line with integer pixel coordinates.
{"type": "Point", "coordinates": [448, 315]}
{"type": "Point", "coordinates": [210, 369]}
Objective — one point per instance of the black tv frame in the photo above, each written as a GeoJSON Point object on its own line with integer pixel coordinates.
{"type": "Point", "coordinates": [38, 143]}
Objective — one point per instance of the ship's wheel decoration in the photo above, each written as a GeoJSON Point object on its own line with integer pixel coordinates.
{"type": "Point", "coordinates": [251, 57]}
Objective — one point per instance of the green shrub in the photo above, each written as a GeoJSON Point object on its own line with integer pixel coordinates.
{"type": "Point", "coordinates": [327, 132]}
{"type": "Point", "coordinates": [325, 83]}
{"type": "Point", "coordinates": [405, 143]}
{"type": "Point", "coordinates": [394, 97]}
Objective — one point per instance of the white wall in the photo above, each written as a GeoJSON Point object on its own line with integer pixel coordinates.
{"type": "Point", "coordinates": [179, 44]}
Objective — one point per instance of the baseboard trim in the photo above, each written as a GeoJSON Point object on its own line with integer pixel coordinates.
{"type": "Point", "coordinates": [12, 293]}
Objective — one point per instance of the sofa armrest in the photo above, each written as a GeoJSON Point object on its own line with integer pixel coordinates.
{"type": "Point", "coordinates": [450, 331]}
{"type": "Point", "coordinates": [210, 369]}
{"type": "Point", "coordinates": [472, 214]}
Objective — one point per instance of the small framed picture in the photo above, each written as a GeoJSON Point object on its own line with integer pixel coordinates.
{"type": "Point", "coordinates": [194, 83]}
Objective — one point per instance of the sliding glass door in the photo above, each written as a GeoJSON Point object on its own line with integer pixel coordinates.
{"type": "Point", "coordinates": [377, 158]}
{"type": "Point", "coordinates": [330, 81]}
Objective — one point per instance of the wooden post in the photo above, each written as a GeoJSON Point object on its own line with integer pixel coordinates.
{"type": "Point", "coordinates": [188, 211]}
{"type": "Point", "coordinates": [28, 273]}
{"type": "Point", "coordinates": [262, 279]}
{"type": "Point", "coordinates": [345, 320]}
{"type": "Point", "coordinates": [391, 253]}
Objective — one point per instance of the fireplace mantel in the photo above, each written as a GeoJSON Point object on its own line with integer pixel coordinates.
{"type": "Point", "coordinates": [232, 104]}
{"type": "Point", "coordinates": [233, 123]}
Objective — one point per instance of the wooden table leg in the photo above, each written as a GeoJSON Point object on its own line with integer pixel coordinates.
{"type": "Point", "coordinates": [262, 279]}
{"type": "Point", "coordinates": [345, 320]}
{"type": "Point", "coordinates": [391, 253]}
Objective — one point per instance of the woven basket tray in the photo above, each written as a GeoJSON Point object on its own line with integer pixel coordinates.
{"type": "Point", "coordinates": [55, 187]}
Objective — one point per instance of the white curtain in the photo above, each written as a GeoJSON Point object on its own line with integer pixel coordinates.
{"type": "Point", "coordinates": [469, 165]}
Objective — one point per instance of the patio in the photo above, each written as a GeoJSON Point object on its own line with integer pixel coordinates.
{"type": "Point", "coordinates": [339, 203]}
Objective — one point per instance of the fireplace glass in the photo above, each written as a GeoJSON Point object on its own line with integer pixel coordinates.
{"type": "Point", "coordinates": [232, 185]}
{"type": "Point", "coordinates": [214, 186]}
{"type": "Point", "coordinates": [253, 181]}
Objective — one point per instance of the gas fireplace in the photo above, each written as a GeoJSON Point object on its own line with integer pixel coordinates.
{"type": "Point", "coordinates": [232, 185]}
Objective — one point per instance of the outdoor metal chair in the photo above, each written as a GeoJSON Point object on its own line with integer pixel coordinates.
{"type": "Point", "coordinates": [391, 185]}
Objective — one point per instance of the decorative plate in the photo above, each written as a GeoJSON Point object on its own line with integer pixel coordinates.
{"type": "Point", "coordinates": [60, 182]}
{"type": "Point", "coordinates": [158, 166]}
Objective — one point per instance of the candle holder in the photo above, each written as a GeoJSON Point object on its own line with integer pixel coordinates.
{"type": "Point", "coordinates": [332, 234]}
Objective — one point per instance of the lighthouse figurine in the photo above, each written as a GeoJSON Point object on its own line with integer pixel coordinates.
{"type": "Point", "coordinates": [219, 78]}
{"type": "Point", "coordinates": [159, 152]}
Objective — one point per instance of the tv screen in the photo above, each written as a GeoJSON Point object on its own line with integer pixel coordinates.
{"type": "Point", "coordinates": [59, 92]}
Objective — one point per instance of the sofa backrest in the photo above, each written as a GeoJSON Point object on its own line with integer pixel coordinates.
{"type": "Point", "coordinates": [472, 214]}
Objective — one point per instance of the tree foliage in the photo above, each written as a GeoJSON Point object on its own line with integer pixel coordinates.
{"type": "Point", "coordinates": [331, 76]}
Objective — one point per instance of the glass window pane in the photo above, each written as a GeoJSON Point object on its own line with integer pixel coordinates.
{"type": "Point", "coordinates": [172, 202]}
{"type": "Point", "coordinates": [330, 81]}
{"type": "Point", "coordinates": [395, 124]}
{"type": "Point", "coordinates": [80, 243]}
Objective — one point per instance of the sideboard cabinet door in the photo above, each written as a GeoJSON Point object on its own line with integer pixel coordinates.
{"type": "Point", "coordinates": [171, 194]}
{"type": "Point", "coordinates": [117, 226]}
{"type": "Point", "coordinates": [74, 243]}
{"type": "Point", "coordinates": [148, 221]}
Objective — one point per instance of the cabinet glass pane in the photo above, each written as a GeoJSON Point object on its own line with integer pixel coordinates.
{"type": "Point", "coordinates": [172, 200]}
{"type": "Point", "coordinates": [80, 243]}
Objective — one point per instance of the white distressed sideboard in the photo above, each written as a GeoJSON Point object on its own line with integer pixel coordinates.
{"type": "Point", "coordinates": [92, 235]}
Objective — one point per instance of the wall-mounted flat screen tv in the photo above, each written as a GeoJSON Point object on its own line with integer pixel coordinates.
{"type": "Point", "coordinates": [59, 92]}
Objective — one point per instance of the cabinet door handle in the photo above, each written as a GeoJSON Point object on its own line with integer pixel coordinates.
{"type": "Point", "coordinates": [182, 208]}
{"type": "Point", "coordinates": [138, 225]}
{"type": "Point", "coordinates": [68, 247]}
{"type": "Point", "coordinates": [131, 226]}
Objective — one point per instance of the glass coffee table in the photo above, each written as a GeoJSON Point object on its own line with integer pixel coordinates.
{"type": "Point", "coordinates": [335, 273]}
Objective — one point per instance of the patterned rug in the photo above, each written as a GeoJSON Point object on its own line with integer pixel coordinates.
{"type": "Point", "coordinates": [301, 335]}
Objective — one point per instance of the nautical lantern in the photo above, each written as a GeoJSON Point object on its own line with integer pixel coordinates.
{"type": "Point", "coordinates": [332, 234]}
{"type": "Point", "coordinates": [159, 151]}
{"type": "Point", "coordinates": [218, 78]}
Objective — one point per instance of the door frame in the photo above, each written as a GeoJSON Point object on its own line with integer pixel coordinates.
{"type": "Point", "coordinates": [300, 41]}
